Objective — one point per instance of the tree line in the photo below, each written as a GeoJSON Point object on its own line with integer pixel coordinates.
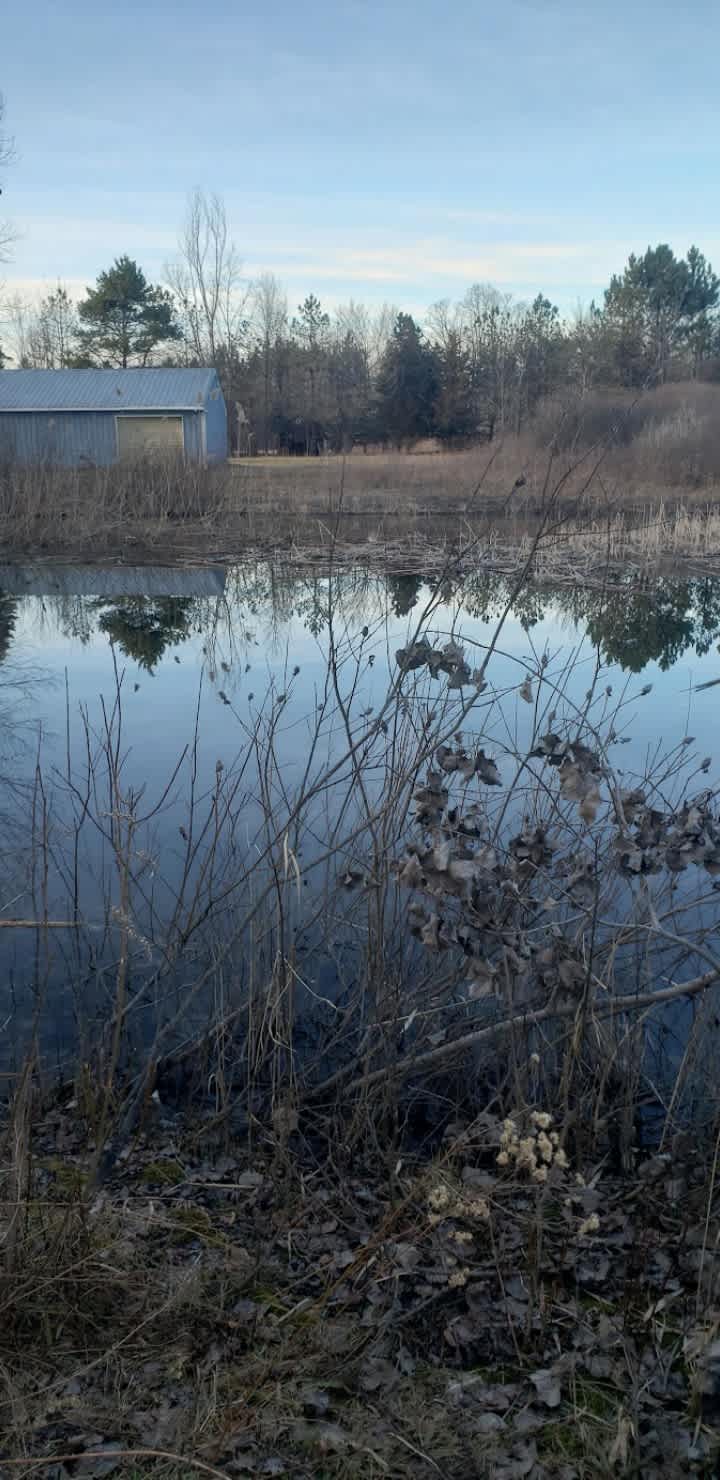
{"type": "Point", "coordinates": [310, 379]}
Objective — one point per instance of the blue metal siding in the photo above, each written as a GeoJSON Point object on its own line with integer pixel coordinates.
{"type": "Point", "coordinates": [192, 433]}
{"type": "Point", "coordinates": [216, 425]}
{"type": "Point", "coordinates": [65, 438]}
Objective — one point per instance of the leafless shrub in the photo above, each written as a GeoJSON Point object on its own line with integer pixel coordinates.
{"type": "Point", "coordinates": [665, 438]}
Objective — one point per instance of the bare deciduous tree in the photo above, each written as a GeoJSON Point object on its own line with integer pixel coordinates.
{"type": "Point", "coordinates": [43, 334]}
{"type": "Point", "coordinates": [58, 326]}
{"type": "Point", "coordinates": [269, 318]}
{"type": "Point", "coordinates": [207, 281]}
{"type": "Point", "coordinates": [443, 320]}
{"type": "Point", "coordinates": [17, 315]}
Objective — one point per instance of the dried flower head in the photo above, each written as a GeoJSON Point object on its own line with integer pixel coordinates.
{"type": "Point", "coordinates": [525, 1156]}
{"type": "Point", "coordinates": [439, 1198]}
{"type": "Point", "coordinates": [545, 1146]}
{"type": "Point", "coordinates": [458, 1278]}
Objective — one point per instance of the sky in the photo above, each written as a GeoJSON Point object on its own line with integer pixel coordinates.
{"type": "Point", "coordinates": [382, 150]}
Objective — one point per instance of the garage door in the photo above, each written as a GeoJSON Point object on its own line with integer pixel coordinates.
{"type": "Point", "coordinates": [139, 435]}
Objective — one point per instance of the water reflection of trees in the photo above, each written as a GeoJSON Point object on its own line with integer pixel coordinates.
{"type": "Point", "coordinates": [632, 626]}
{"type": "Point", "coordinates": [404, 592]}
{"type": "Point", "coordinates": [8, 618]}
{"type": "Point", "coordinates": [21, 687]}
{"type": "Point", "coordinates": [144, 627]}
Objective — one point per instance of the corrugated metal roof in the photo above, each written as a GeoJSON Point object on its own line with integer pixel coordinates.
{"type": "Point", "coordinates": [105, 390]}
{"type": "Point", "coordinates": [116, 580]}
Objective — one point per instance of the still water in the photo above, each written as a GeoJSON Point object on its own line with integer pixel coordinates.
{"type": "Point", "coordinates": [126, 690]}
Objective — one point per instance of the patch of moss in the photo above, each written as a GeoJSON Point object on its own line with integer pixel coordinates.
{"type": "Point", "coordinates": [264, 1296]}
{"type": "Point", "coordinates": [493, 1376]}
{"type": "Point", "coordinates": [192, 1223]}
{"type": "Point", "coordinates": [162, 1174]}
{"type": "Point", "coordinates": [563, 1440]}
{"type": "Point", "coordinates": [69, 1181]}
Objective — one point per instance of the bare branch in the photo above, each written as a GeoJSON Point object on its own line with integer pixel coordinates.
{"type": "Point", "coordinates": [207, 280]}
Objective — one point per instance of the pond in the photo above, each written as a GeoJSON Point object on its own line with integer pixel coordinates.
{"type": "Point", "coordinates": [195, 760]}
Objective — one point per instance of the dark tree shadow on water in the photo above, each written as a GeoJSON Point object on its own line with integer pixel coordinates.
{"type": "Point", "coordinates": [632, 626]}
{"type": "Point", "coordinates": [144, 627]}
{"type": "Point", "coordinates": [404, 591]}
{"type": "Point", "coordinates": [657, 625]}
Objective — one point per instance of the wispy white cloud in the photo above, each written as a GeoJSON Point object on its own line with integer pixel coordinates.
{"type": "Point", "coordinates": [416, 263]}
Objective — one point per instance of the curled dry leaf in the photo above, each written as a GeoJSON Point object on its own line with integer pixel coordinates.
{"type": "Point", "coordinates": [519, 1462]}
{"type": "Point", "coordinates": [468, 765]}
{"type": "Point", "coordinates": [525, 691]}
{"type": "Point", "coordinates": [482, 976]}
{"type": "Point", "coordinates": [487, 769]}
{"type": "Point", "coordinates": [588, 808]}
{"type": "Point", "coordinates": [429, 933]}
{"type": "Point", "coordinates": [547, 1386]}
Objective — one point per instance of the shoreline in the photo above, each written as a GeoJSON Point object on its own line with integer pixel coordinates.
{"type": "Point", "coordinates": [592, 551]}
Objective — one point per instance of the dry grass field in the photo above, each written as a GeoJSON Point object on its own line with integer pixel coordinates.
{"type": "Point", "coordinates": [638, 465]}
{"type": "Point", "coordinates": [615, 450]}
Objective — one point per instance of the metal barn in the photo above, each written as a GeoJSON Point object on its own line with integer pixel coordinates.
{"type": "Point", "coordinates": [91, 418]}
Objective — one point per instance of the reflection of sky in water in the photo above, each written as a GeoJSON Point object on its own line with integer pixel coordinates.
{"type": "Point", "coordinates": [175, 653]}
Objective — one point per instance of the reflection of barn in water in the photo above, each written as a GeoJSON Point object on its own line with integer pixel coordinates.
{"type": "Point", "coordinates": [111, 580]}
{"type": "Point", "coordinates": [144, 610]}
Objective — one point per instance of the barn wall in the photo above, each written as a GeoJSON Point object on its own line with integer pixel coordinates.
{"type": "Point", "coordinates": [216, 426]}
{"type": "Point", "coordinates": [67, 438]}
{"type": "Point", "coordinates": [83, 438]}
{"type": "Point", "coordinates": [193, 435]}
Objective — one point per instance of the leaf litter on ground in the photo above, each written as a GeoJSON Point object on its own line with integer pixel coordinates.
{"type": "Point", "coordinates": [355, 1324]}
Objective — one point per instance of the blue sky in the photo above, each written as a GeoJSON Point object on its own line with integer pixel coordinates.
{"type": "Point", "coordinates": [383, 151]}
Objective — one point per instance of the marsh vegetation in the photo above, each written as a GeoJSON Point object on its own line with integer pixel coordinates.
{"type": "Point", "coordinates": [360, 1023]}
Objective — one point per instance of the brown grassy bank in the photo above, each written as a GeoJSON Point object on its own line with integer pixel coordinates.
{"type": "Point", "coordinates": [636, 468]}
{"type": "Point", "coordinates": [190, 516]}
